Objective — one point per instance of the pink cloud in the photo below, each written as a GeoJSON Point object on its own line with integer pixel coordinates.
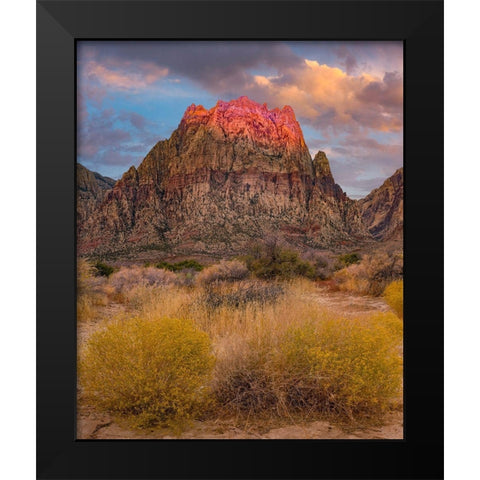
{"type": "Point", "coordinates": [124, 75]}
{"type": "Point", "coordinates": [330, 98]}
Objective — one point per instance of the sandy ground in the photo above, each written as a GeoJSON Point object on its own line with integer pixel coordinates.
{"type": "Point", "coordinates": [94, 425]}
{"type": "Point", "coordinates": [348, 304]}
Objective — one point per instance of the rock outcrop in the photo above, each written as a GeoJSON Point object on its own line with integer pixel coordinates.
{"type": "Point", "coordinates": [382, 209]}
{"type": "Point", "coordinates": [91, 190]}
{"type": "Point", "coordinates": [226, 177]}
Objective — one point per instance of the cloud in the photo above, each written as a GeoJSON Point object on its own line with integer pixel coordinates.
{"type": "Point", "coordinates": [334, 101]}
{"type": "Point", "coordinates": [138, 121]}
{"type": "Point", "coordinates": [387, 93]}
{"type": "Point", "coordinates": [347, 59]}
{"type": "Point", "coordinates": [109, 141]}
{"type": "Point", "coordinates": [114, 157]}
{"type": "Point", "coordinates": [360, 163]}
{"type": "Point", "coordinates": [97, 131]}
{"type": "Point", "coordinates": [327, 97]}
{"type": "Point", "coordinates": [220, 67]}
{"type": "Point", "coordinates": [82, 113]}
{"type": "Point", "coordinates": [130, 75]}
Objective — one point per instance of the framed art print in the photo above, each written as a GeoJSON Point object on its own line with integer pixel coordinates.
{"type": "Point", "coordinates": [240, 239]}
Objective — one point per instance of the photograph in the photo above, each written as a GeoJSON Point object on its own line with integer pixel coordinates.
{"type": "Point", "coordinates": [239, 239]}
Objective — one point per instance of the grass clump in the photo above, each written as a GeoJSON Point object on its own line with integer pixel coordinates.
{"type": "Point", "coordinates": [150, 370]}
{"type": "Point", "coordinates": [241, 294]}
{"type": "Point", "coordinates": [102, 269]}
{"type": "Point", "coordinates": [225, 271]}
{"type": "Point", "coordinates": [394, 296]}
{"type": "Point", "coordinates": [127, 279]}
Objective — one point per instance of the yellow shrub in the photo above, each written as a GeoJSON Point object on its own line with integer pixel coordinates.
{"type": "Point", "coordinates": [347, 366]}
{"type": "Point", "coordinates": [343, 366]}
{"type": "Point", "coordinates": [153, 369]}
{"type": "Point", "coordinates": [394, 296]}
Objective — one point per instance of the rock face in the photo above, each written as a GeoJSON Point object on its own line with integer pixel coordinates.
{"type": "Point", "coordinates": [382, 209]}
{"type": "Point", "coordinates": [91, 190]}
{"type": "Point", "coordinates": [226, 177]}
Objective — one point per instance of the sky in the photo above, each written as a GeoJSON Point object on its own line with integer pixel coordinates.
{"type": "Point", "coordinates": [347, 97]}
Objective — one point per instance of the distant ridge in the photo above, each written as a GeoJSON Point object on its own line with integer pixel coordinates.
{"type": "Point", "coordinates": [382, 208]}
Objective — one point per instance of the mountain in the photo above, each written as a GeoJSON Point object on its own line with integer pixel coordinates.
{"type": "Point", "coordinates": [91, 190]}
{"type": "Point", "coordinates": [382, 209]}
{"type": "Point", "coordinates": [226, 177]}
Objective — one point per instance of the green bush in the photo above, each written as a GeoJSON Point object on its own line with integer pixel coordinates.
{"type": "Point", "coordinates": [394, 296]}
{"type": "Point", "coordinates": [349, 258]}
{"type": "Point", "coordinates": [183, 265]}
{"type": "Point", "coordinates": [152, 370]}
{"type": "Point", "coordinates": [103, 270]}
{"type": "Point", "coordinates": [277, 262]}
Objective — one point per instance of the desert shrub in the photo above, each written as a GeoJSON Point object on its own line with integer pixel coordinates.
{"type": "Point", "coordinates": [154, 370]}
{"type": "Point", "coordinates": [242, 294]}
{"type": "Point", "coordinates": [323, 266]}
{"type": "Point", "coordinates": [90, 291]}
{"type": "Point", "coordinates": [274, 261]}
{"type": "Point", "coordinates": [103, 270]}
{"type": "Point", "coordinates": [88, 282]}
{"type": "Point", "coordinates": [85, 272]}
{"type": "Point", "coordinates": [350, 258]}
{"type": "Point", "coordinates": [242, 383]}
{"type": "Point", "coordinates": [371, 275]}
{"type": "Point", "coordinates": [165, 266]}
{"type": "Point", "coordinates": [189, 265]}
{"type": "Point", "coordinates": [127, 278]}
{"type": "Point", "coordinates": [346, 367]}
{"type": "Point", "coordinates": [394, 296]}
{"type": "Point", "coordinates": [225, 271]}
{"type": "Point", "coordinates": [178, 266]}
{"type": "Point", "coordinates": [187, 277]}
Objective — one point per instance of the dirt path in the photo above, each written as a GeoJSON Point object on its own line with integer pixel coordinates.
{"type": "Point", "coordinates": [86, 328]}
{"type": "Point", "coordinates": [347, 303]}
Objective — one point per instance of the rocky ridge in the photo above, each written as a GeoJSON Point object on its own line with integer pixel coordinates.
{"type": "Point", "coordinates": [382, 209]}
{"type": "Point", "coordinates": [91, 190]}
